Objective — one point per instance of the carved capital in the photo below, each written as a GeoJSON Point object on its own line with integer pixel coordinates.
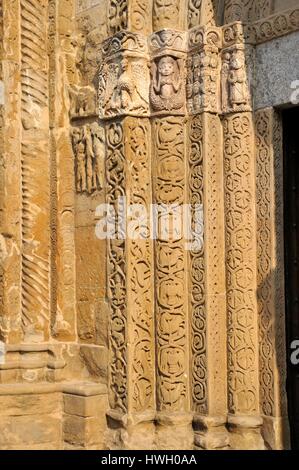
{"type": "Point", "coordinates": [203, 70]}
{"type": "Point", "coordinates": [124, 77]}
{"type": "Point", "coordinates": [168, 72]}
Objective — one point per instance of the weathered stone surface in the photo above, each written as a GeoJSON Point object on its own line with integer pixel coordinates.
{"type": "Point", "coordinates": [277, 72]}
{"type": "Point", "coordinates": [30, 430]}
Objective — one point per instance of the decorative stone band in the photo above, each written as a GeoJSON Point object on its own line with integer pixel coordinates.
{"type": "Point", "coordinates": [264, 30]}
{"type": "Point", "coordinates": [124, 41]}
{"type": "Point", "coordinates": [276, 26]}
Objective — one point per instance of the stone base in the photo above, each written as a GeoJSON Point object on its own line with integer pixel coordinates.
{"type": "Point", "coordinates": [276, 433]}
{"type": "Point", "coordinates": [130, 432]}
{"type": "Point", "coordinates": [45, 416]}
{"type": "Point", "coordinates": [174, 432]}
{"type": "Point", "coordinates": [246, 433]}
{"type": "Point", "coordinates": [210, 433]}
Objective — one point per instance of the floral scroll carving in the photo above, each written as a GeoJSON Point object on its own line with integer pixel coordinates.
{"type": "Point", "coordinates": [118, 15]}
{"type": "Point", "coordinates": [197, 270]}
{"type": "Point", "coordinates": [170, 262]}
{"type": "Point", "coordinates": [246, 10]}
{"type": "Point", "coordinates": [241, 276]}
{"type": "Point", "coordinates": [202, 12]}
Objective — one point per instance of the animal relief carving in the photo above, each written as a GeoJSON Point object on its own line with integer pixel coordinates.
{"type": "Point", "coordinates": [123, 87]}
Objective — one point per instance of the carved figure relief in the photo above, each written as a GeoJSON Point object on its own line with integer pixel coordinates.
{"type": "Point", "coordinates": [168, 84]}
{"type": "Point", "coordinates": [83, 101]}
{"type": "Point", "coordinates": [234, 87]}
{"type": "Point", "coordinates": [124, 87]}
{"type": "Point", "coordinates": [89, 151]}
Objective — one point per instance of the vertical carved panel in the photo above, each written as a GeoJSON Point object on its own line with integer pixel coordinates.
{"type": "Point", "coordinates": [197, 272]}
{"type": "Point", "coordinates": [202, 12]}
{"type": "Point", "coordinates": [118, 15]}
{"type": "Point", "coordinates": [10, 194]}
{"type": "Point", "coordinates": [132, 15]}
{"type": "Point", "coordinates": [117, 281]}
{"type": "Point", "coordinates": [35, 170]}
{"type": "Point", "coordinates": [241, 265]}
{"type": "Point", "coordinates": [140, 268]}
{"type": "Point", "coordinates": [168, 14]}
{"type": "Point", "coordinates": [270, 256]}
{"type": "Point", "coordinates": [214, 262]}
{"type": "Point", "coordinates": [172, 357]}
{"type": "Point", "coordinates": [130, 268]}
{"type": "Point", "coordinates": [140, 16]}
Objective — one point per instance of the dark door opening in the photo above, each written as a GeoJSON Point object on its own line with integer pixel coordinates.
{"type": "Point", "coordinates": [291, 229]}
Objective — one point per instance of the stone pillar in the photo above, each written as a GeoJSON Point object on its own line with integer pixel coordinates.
{"type": "Point", "coordinates": [124, 107]}
{"type": "Point", "coordinates": [62, 201]}
{"type": "Point", "coordinates": [240, 192]}
{"type": "Point", "coordinates": [207, 263]}
{"type": "Point", "coordinates": [35, 177]}
{"type": "Point", "coordinates": [167, 95]}
{"type": "Point", "coordinates": [271, 298]}
{"type": "Point", "coordinates": [10, 174]}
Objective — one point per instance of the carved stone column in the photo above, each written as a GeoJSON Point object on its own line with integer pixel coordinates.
{"type": "Point", "coordinates": [207, 263]}
{"type": "Point", "coordinates": [62, 187]}
{"type": "Point", "coordinates": [124, 85]}
{"type": "Point", "coordinates": [240, 192]}
{"type": "Point", "coordinates": [270, 256]}
{"type": "Point", "coordinates": [167, 95]}
{"type": "Point", "coordinates": [10, 174]}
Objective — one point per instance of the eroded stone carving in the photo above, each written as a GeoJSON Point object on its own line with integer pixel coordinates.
{"type": "Point", "coordinates": [203, 70]}
{"type": "Point", "coordinates": [167, 14]}
{"type": "Point", "coordinates": [124, 87]}
{"type": "Point", "coordinates": [246, 10]}
{"type": "Point", "coordinates": [124, 77]}
{"type": "Point", "coordinates": [202, 12]}
{"type": "Point", "coordinates": [234, 87]}
{"type": "Point", "coordinates": [167, 87]}
{"type": "Point", "coordinates": [89, 151]}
